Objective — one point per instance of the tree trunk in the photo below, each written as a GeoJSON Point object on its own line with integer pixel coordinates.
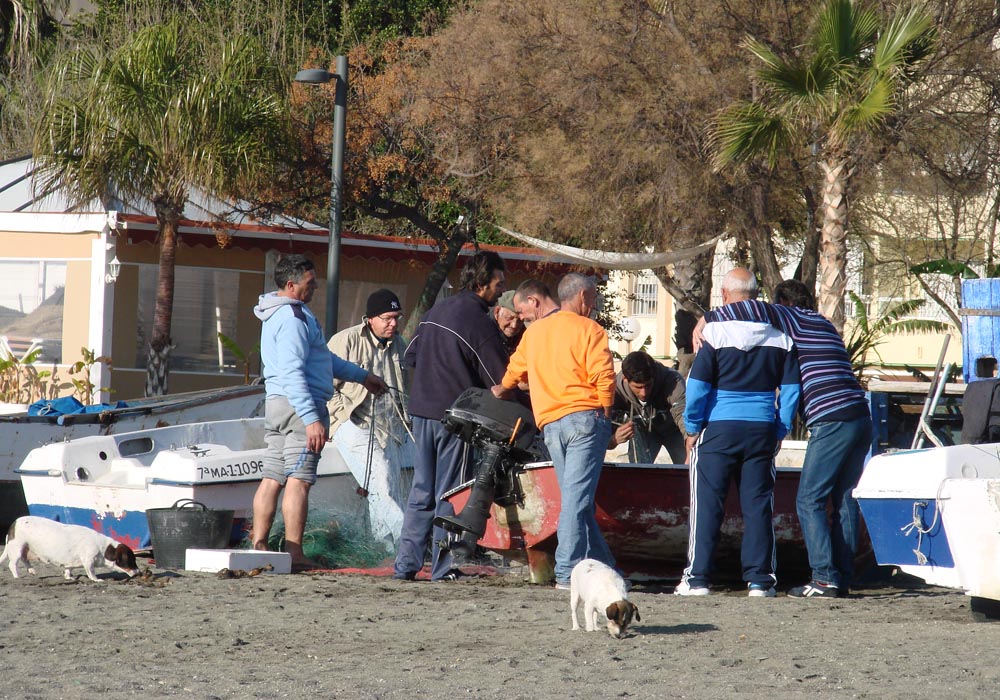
{"type": "Point", "coordinates": [806, 271]}
{"type": "Point", "coordinates": [449, 250]}
{"type": "Point", "coordinates": [160, 347]}
{"type": "Point", "coordinates": [760, 236]}
{"type": "Point", "coordinates": [833, 246]}
{"type": "Point", "coordinates": [691, 287]}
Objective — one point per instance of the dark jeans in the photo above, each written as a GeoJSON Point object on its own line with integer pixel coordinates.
{"type": "Point", "coordinates": [439, 462]}
{"type": "Point", "coordinates": [645, 445]}
{"type": "Point", "coordinates": [835, 458]}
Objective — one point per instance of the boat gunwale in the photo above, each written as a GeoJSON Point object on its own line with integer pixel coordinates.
{"type": "Point", "coordinates": [144, 406]}
{"type": "Point", "coordinates": [531, 466]}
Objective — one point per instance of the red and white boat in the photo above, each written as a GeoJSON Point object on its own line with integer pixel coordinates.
{"type": "Point", "coordinates": [642, 510]}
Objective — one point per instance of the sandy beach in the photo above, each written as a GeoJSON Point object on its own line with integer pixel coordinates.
{"type": "Point", "coordinates": [193, 635]}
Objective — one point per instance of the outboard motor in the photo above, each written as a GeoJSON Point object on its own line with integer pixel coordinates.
{"type": "Point", "coordinates": [503, 433]}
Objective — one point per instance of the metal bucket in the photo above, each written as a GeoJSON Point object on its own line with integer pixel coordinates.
{"type": "Point", "coordinates": [186, 525]}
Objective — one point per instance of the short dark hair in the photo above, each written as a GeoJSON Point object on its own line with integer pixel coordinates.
{"type": "Point", "coordinates": [639, 367]}
{"type": "Point", "coordinates": [533, 288]}
{"type": "Point", "coordinates": [478, 272]}
{"type": "Point", "coordinates": [794, 293]}
{"type": "Point", "coordinates": [291, 267]}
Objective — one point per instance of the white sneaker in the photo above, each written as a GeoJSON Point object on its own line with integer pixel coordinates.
{"type": "Point", "coordinates": [758, 590]}
{"type": "Point", "coordinates": [684, 589]}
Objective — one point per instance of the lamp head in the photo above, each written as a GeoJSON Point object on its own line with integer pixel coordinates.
{"type": "Point", "coordinates": [114, 268]}
{"type": "Point", "coordinates": [314, 75]}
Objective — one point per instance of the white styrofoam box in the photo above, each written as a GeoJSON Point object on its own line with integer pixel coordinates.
{"type": "Point", "coordinates": [213, 560]}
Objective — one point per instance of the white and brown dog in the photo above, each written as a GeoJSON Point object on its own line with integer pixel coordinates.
{"type": "Point", "coordinates": [66, 546]}
{"type": "Point", "coordinates": [602, 591]}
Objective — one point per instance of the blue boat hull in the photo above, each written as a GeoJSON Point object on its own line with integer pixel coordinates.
{"type": "Point", "coordinates": [130, 528]}
{"type": "Point", "coordinates": [895, 542]}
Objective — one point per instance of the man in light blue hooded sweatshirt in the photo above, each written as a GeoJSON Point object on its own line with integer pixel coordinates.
{"type": "Point", "coordinates": [298, 374]}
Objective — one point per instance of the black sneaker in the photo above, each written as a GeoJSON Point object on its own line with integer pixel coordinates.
{"type": "Point", "coordinates": [814, 589]}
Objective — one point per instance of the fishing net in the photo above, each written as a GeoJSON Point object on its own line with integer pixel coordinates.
{"type": "Point", "coordinates": [333, 542]}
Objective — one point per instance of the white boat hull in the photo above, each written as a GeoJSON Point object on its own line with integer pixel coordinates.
{"type": "Point", "coordinates": [20, 433]}
{"type": "Point", "coordinates": [901, 499]}
{"type": "Point", "coordinates": [108, 482]}
{"type": "Point", "coordinates": [971, 514]}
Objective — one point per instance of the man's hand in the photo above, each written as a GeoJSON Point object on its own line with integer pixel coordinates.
{"type": "Point", "coordinates": [375, 385]}
{"type": "Point", "coordinates": [698, 335]}
{"type": "Point", "coordinates": [623, 433]}
{"type": "Point", "coordinates": [501, 392]}
{"type": "Point", "coordinates": [315, 437]}
{"type": "Point", "coordinates": [689, 443]}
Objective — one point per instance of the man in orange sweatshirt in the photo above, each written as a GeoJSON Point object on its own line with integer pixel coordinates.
{"type": "Point", "coordinates": [565, 358]}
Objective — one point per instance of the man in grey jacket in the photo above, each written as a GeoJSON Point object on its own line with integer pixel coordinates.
{"type": "Point", "coordinates": [371, 432]}
{"type": "Point", "coordinates": [649, 407]}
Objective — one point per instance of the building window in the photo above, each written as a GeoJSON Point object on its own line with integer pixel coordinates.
{"type": "Point", "coordinates": [31, 306]}
{"type": "Point", "coordinates": [204, 305]}
{"type": "Point", "coordinates": [644, 296]}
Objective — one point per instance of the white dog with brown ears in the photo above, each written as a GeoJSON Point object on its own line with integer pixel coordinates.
{"type": "Point", "coordinates": [602, 591]}
{"type": "Point", "coordinates": [66, 546]}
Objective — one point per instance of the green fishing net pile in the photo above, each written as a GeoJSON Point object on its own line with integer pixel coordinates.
{"type": "Point", "coordinates": [333, 542]}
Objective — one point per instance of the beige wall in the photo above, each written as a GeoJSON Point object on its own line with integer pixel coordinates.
{"type": "Point", "coordinates": [46, 245]}
{"type": "Point", "coordinates": [76, 311]}
{"type": "Point", "coordinates": [659, 327]}
{"type": "Point", "coordinates": [917, 350]}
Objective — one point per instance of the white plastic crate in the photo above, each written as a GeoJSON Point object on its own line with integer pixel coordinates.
{"type": "Point", "coordinates": [213, 560]}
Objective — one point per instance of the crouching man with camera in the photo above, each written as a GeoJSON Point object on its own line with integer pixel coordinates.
{"type": "Point", "coordinates": [649, 404]}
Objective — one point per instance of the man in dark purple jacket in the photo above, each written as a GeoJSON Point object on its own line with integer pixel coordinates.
{"type": "Point", "coordinates": [456, 346]}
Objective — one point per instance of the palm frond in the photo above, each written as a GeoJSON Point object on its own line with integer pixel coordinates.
{"type": "Point", "coordinates": [745, 131]}
{"type": "Point", "coordinates": [945, 267]}
{"type": "Point", "coordinates": [919, 325]}
{"type": "Point", "coordinates": [864, 114]}
{"type": "Point", "coordinates": [844, 31]}
{"type": "Point", "coordinates": [907, 40]}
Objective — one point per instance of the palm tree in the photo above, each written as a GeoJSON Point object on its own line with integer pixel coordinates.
{"type": "Point", "coordinates": [22, 24]}
{"type": "Point", "coordinates": [166, 111]}
{"type": "Point", "coordinates": [868, 333]}
{"type": "Point", "coordinates": [845, 86]}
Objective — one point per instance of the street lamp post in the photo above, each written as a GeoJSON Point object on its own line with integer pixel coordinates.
{"type": "Point", "coordinates": [319, 75]}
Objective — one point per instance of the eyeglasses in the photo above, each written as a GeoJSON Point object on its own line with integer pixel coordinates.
{"type": "Point", "coordinates": [389, 318]}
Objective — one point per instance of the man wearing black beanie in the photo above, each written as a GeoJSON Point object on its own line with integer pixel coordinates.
{"type": "Point", "coordinates": [372, 432]}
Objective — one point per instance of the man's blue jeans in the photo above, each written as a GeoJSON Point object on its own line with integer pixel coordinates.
{"type": "Point", "coordinates": [835, 458]}
{"type": "Point", "coordinates": [577, 443]}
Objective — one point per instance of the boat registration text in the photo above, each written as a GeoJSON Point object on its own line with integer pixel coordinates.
{"type": "Point", "coordinates": [231, 471]}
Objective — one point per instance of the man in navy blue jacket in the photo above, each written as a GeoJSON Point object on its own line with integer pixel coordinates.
{"type": "Point", "coordinates": [457, 346]}
{"type": "Point", "coordinates": [733, 427]}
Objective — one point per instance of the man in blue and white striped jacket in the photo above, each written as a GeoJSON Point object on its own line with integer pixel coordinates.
{"type": "Point", "coordinates": [734, 424]}
{"type": "Point", "coordinates": [840, 434]}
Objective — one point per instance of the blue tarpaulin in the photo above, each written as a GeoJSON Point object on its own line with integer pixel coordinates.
{"type": "Point", "coordinates": [67, 406]}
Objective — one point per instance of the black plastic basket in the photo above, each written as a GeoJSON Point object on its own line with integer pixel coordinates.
{"type": "Point", "coordinates": [186, 525]}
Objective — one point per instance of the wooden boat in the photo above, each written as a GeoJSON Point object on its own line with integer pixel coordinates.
{"type": "Point", "coordinates": [21, 433]}
{"type": "Point", "coordinates": [107, 482]}
{"type": "Point", "coordinates": [642, 510]}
